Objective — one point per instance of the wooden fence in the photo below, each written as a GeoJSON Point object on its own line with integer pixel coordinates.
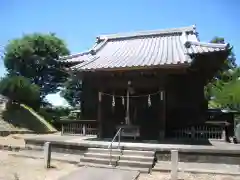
{"type": "Point", "coordinates": [199, 133]}
{"type": "Point", "coordinates": [79, 127]}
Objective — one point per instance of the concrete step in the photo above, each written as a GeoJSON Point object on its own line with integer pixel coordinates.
{"type": "Point", "coordinates": [102, 155]}
{"type": "Point", "coordinates": [141, 170]}
{"type": "Point", "coordinates": [138, 153]}
{"type": "Point", "coordinates": [95, 160]}
{"type": "Point", "coordinates": [96, 165]}
{"type": "Point", "coordinates": [104, 151]}
{"type": "Point", "coordinates": [137, 158]}
{"type": "Point", "coordinates": [137, 164]}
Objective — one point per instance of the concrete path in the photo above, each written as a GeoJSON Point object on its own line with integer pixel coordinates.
{"type": "Point", "coordinates": [221, 147]}
{"type": "Point", "coordinates": [92, 173]}
{"type": "Point", "coordinates": [57, 137]}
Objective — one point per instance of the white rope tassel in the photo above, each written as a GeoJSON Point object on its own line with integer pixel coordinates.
{"type": "Point", "coordinates": [113, 101]}
{"type": "Point", "coordinates": [161, 95]}
{"type": "Point", "coordinates": [123, 101]}
{"type": "Point", "coordinates": [99, 96]}
{"type": "Point", "coordinates": [149, 101]}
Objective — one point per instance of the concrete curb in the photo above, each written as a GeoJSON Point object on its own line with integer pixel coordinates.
{"type": "Point", "coordinates": [15, 148]}
{"type": "Point", "coordinates": [198, 171]}
{"type": "Point", "coordinates": [13, 132]}
{"type": "Point", "coordinates": [136, 146]}
{"type": "Point", "coordinates": [11, 148]}
{"type": "Point", "coordinates": [41, 157]}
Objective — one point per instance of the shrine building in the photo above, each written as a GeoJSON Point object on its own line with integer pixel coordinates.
{"type": "Point", "coordinates": [150, 82]}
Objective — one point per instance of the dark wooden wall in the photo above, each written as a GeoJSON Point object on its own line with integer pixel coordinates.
{"type": "Point", "coordinates": [184, 103]}
{"type": "Point", "coordinates": [89, 100]}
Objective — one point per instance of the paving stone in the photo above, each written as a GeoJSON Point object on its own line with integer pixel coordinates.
{"type": "Point", "coordinates": [93, 173]}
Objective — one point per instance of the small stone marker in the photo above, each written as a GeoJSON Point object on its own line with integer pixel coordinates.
{"type": "Point", "coordinates": [84, 129]}
{"type": "Point", "coordinates": [174, 164]}
{"type": "Point", "coordinates": [237, 132]}
{"type": "Point", "coordinates": [47, 154]}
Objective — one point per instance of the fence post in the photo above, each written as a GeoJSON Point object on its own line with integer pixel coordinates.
{"type": "Point", "coordinates": [84, 129]}
{"type": "Point", "coordinates": [62, 129]}
{"type": "Point", "coordinates": [174, 164]}
{"type": "Point", "coordinates": [193, 131]}
{"type": "Point", "coordinates": [47, 154]}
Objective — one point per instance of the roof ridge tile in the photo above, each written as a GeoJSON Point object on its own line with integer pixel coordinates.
{"type": "Point", "coordinates": [149, 33]}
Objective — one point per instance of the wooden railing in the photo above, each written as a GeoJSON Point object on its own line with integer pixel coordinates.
{"type": "Point", "coordinates": [79, 127]}
{"type": "Point", "coordinates": [198, 133]}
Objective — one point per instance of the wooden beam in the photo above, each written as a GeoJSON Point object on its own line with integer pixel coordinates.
{"type": "Point", "coordinates": [122, 83]}
{"type": "Point", "coordinates": [134, 72]}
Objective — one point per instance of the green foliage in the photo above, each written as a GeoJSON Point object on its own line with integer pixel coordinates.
{"type": "Point", "coordinates": [33, 56]}
{"type": "Point", "coordinates": [20, 90]}
{"type": "Point", "coordinates": [225, 87]}
{"type": "Point", "coordinates": [51, 114]}
{"type": "Point", "coordinates": [72, 91]}
{"type": "Point", "coordinates": [224, 75]}
{"type": "Point", "coordinates": [228, 96]}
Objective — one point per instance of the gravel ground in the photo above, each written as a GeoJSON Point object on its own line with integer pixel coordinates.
{"type": "Point", "coordinates": [187, 176]}
{"type": "Point", "coordinates": [12, 140]}
{"type": "Point", "coordinates": [31, 169]}
{"type": "Point", "coordinates": [27, 168]}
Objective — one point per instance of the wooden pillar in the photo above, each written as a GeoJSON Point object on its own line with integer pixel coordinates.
{"type": "Point", "coordinates": [99, 116]}
{"type": "Point", "coordinates": [162, 115]}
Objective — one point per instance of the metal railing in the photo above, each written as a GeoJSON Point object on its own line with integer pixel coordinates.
{"type": "Point", "coordinates": [118, 134]}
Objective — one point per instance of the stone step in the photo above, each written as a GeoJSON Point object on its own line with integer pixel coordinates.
{"type": "Point", "coordinates": [104, 150]}
{"type": "Point", "coordinates": [102, 155]}
{"type": "Point", "coordinates": [141, 170]}
{"type": "Point", "coordinates": [135, 164]}
{"type": "Point", "coordinates": [97, 160]}
{"type": "Point", "coordinates": [137, 158]}
{"type": "Point", "coordinates": [138, 153]}
{"type": "Point", "coordinates": [95, 165]}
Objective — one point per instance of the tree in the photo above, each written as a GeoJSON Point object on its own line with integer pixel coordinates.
{"type": "Point", "coordinates": [72, 91]}
{"type": "Point", "coordinates": [224, 75]}
{"type": "Point", "coordinates": [20, 90]}
{"type": "Point", "coordinates": [228, 96]}
{"type": "Point", "coordinates": [34, 56]}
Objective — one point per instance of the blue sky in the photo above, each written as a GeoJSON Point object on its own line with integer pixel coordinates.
{"type": "Point", "coordinates": [78, 22]}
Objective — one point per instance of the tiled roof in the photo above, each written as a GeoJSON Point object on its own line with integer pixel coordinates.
{"type": "Point", "coordinates": [141, 49]}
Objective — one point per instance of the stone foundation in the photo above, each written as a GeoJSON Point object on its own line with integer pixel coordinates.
{"type": "Point", "coordinates": [201, 157]}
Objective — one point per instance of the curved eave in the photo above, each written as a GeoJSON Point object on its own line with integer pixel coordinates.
{"type": "Point", "coordinates": [198, 48]}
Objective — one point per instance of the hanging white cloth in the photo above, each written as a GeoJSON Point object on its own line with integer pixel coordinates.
{"type": "Point", "coordinates": [149, 100]}
{"type": "Point", "coordinates": [113, 101]}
